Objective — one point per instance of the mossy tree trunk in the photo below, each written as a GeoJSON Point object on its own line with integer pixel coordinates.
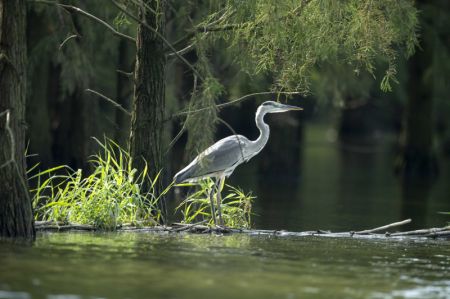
{"type": "Point", "coordinates": [149, 91]}
{"type": "Point", "coordinates": [16, 217]}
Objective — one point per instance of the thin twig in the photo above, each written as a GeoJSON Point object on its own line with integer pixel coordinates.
{"type": "Point", "coordinates": [142, 3]}
{"type": "Point", "coordinates": [91, 16]}
{"type": "Point", "coordinates": [384, 227]}
{"type": "Point", "coordinates": [127, 74]}
{"type": "Point", "coordinates": [67, 39]}
{"type": "Point", "coordinates": [183, 128]}
{"type": "Point", "coordinates": [206, 28]}
{"type": "Point", "coordinates": [114, 103]}
{"type": "Point", "coordinates": [184, 50]}
{"type": "Point", "coordinates": [159, 35]}
{"type": "Point", "coordinates": [237, 101]}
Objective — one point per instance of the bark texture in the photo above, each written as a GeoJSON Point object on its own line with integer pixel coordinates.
{"type": "Point", "coordinates": [149, 91]}
{"type": "Point", "coordinates": [16, 217]}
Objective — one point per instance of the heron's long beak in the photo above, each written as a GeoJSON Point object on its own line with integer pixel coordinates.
{"type": "Point", "coordinates": [290, 107]}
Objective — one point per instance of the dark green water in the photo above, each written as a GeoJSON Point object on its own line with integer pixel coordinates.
{"type": "Point", "coordinates": [146, 265]}
{"type": "Point", "coordinates": [338, 188]}
{"type": "Point", "coordinates": [344, 187]}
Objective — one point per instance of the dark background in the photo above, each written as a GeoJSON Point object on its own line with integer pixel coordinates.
{"type": "Point", "coordinates": [336, 165]}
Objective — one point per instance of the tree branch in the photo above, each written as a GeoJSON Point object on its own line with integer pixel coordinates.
{"type": "Point", "coordinates": [67, 39]}
{"type": "Point", "coordinates": [237, 101]}
{"type": "Point", "coordinates": [114, 103]}
{"type": "Point", "coordinates": [91, 16]}
{"type": "Point", "coordinates": [126, 74]}
{"type": "Point", "coordinates": [159, 35]}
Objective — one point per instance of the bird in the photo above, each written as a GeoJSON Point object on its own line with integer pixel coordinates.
{"type": "Point", "coordinates": [220, 159]}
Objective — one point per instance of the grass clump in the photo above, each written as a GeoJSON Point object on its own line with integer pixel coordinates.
{"type": "Point", "coordinates": [110, 196]}
{"type": "Point", "coordinates": [236, 205]}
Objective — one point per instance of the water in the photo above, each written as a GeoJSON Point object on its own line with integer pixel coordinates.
{"type": "Point", "coordinates": [344, 187]}
{"type": "Point", "coordinates": [338, 188]}
{"type": "Point", "coordinates": [147, 265]}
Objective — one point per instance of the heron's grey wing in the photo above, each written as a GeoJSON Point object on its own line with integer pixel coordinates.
{"type": "Point", "coordinates": [224, 154]}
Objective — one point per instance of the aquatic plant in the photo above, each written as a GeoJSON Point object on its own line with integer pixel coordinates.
{"type": "Point", "coordinates": [106, 198]}
{"type": "Point", "coordinates": [236, 205]}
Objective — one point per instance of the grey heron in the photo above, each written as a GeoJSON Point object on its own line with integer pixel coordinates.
{"type": "Point", "coordinates": [219, 160]}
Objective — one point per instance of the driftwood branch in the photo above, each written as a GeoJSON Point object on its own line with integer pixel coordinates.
{"type": "Point", "coordinates": [201, 228]}
{"type": "Point", "coordinates": [428, 231]}
{"type": "Point", "coordinates": [384, 227]}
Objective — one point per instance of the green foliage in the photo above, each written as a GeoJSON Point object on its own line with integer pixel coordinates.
{"type": "Point", "coordinates": [236, 206]}
{"type": "Point", "coordinates": [112, 195]}
{"type": "Point", "coordinates": [201, 126]}
{"type": "Point", "coordinates": [290, 39]}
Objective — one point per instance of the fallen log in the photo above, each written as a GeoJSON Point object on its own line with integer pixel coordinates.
{"type": "Point", "coordinates": [201, 228]}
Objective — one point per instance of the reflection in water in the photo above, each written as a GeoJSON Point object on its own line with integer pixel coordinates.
{"type": "Point", "coordinates": [342, 188]}
{"type": "Point", "coordinates": [279, 213]}
{"type": "Point", "coordinates": [146, 265]}
{"type": "Point", "coordinates": [415, 196]}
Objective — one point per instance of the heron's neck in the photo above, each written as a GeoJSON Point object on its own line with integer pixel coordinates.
{"type": "Point", "coordinates": [264, 131]}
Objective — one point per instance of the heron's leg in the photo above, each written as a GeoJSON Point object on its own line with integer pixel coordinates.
{"type": "Point", "coordinates": [219, 199]}
{"type": "Point", "coordinates": [211, 199]}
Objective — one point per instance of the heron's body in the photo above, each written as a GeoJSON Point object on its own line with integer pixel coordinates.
{"type": "Point", "coordinates": [221, 159]}
{"type": "Point", "coordinates": [210, 163]}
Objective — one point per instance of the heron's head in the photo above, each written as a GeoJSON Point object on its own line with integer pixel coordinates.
{"type": "Point", "coordinates": [275, 107]}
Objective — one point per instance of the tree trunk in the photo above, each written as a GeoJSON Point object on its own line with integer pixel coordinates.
{"type": "Point", "coordinates": [16, 216]}
{"type": "Point", "coordinates": [149, 91]}
{"type": "Point", "coordinates": [418, 156]}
